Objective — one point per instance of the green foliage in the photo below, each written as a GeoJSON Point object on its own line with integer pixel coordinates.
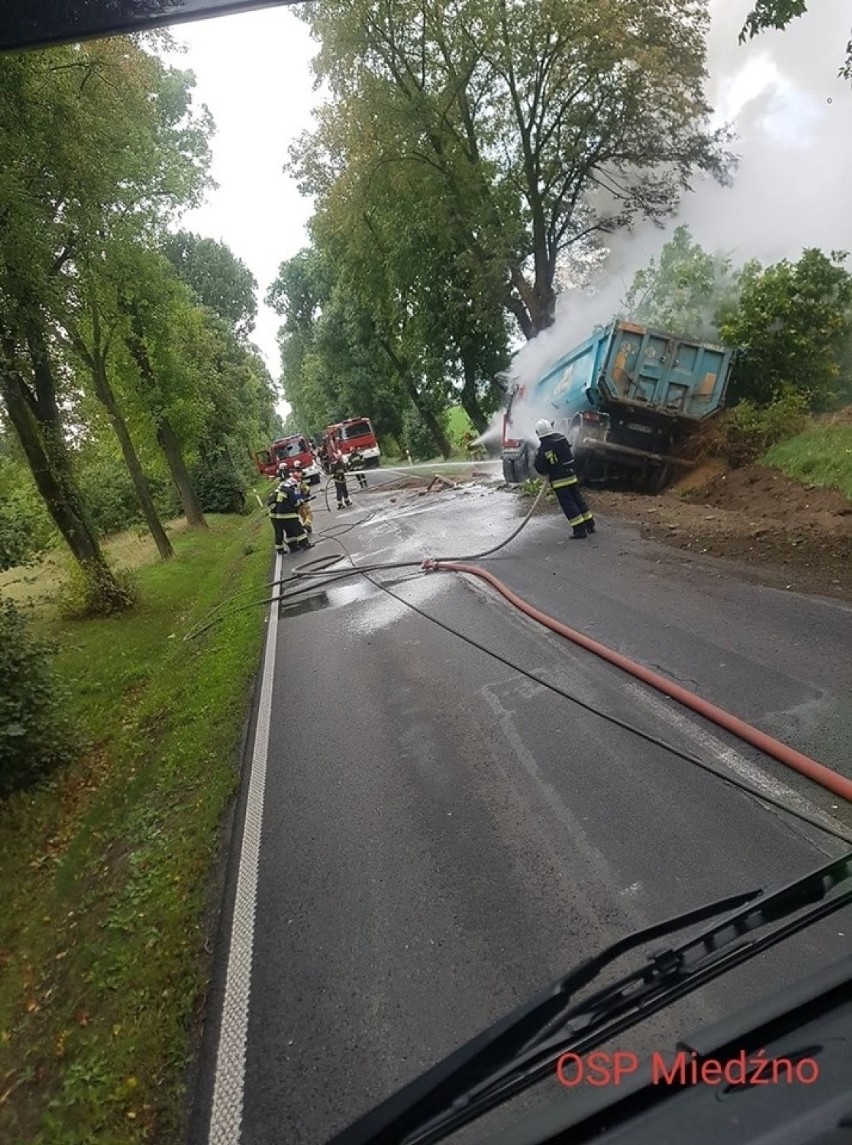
{"type": "Point", "coordinates": [794, 324]}
{"type": "Point", "coordinates": [111, 498]}
{"type": "Point", "coordinates": [220, 487]}
{"type": "Point", "coordinates": [687, 292]}
{"type": "Point", "coordinates": [218, 278]}
{"type": "Point", "coordinates": [745, 432]}
{"type": "Point", "coordinates": [26, 530]}
{"type": "Point", "coordinates": [779, 14]}
{"type": "Point", "coordinates": [104, 870]}
{"type": "Point", "coordinates": [102, 144]}
{"type": "Point", "coordinates": [35, 734]}
{"type": "Point", "coordinates": [494, 130]}
{"type": "Point", "coordinates": [822, 455]}
{"type": "Point", "coordinates": [417, 437]}
{"type": "Point", "coordinates": [88, 593]}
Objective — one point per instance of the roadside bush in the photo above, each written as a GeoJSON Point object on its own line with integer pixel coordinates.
{"type": "Point", "coordinates": [745, 432]}
{"type": "Point", "coordinates": [84, 596]}
{"type": "Point", "coordinates": [110, 497]}
{"type": "Point", "coordinates": [35, 735]}
{"type": "Point", "coordinates": [26, 530]}
{"type": "Point", "coordinates": [218, 486]}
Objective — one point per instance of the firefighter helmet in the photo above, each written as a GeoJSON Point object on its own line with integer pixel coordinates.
{"type": "Point", "coordinates": [543, 426]}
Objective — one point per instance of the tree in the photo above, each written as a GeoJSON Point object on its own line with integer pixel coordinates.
{"type": "Point", "coordinates": [780, 14]}
{"type": "Point", "coordinates": [93, 136]}
{"type": "Point", "coordinates": [92, 341]}
{"type": "Point", "coordinates": [219, 279]}
{"type": "Point", "coordinates": [686, 292]}
{"type": "Point", "coordinates": [794, 324]}
{"type": "Point", "coordinates": [548, 125]}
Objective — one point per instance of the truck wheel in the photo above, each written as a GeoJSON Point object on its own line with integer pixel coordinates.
{"type": "Point", "coordinates": [659, 477]}
{"type": "Point", "coordinates": [517, 469]}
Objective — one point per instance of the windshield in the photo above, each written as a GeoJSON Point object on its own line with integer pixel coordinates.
{"type": "Point", "coordinates": [292, 448]}
{"type": "Point", "coordinates": [357, 429]}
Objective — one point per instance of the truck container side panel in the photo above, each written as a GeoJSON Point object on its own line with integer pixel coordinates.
{"type": "Point", "coordinates": [561, 392]}
{"type": "Point", "coordinates": [654, 370]}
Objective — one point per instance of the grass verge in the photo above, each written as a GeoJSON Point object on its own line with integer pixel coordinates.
{"type": "Point", "coordinates": [819, 456]}
{"type": "Point", "coordinates": [104, 870]}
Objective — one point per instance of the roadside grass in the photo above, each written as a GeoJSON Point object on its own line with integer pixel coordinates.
{"type": "Point", "coordinates": [819, 456]}
{"type": "Point", "coordinates": [104, 869]}
{"type": "Point", "coordinates": [458, 423]}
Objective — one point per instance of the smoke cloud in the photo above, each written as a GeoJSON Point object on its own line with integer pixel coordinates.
{"type": "Point", "coordinates": [793, 120]}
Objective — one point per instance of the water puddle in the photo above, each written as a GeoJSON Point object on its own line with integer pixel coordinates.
{"type": "Point", "coordinates": [335, 597]}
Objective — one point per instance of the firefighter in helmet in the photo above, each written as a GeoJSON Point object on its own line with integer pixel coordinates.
{"type": "Point", "coordinates": [338, 473]}
{"type": "Point", "coordinates": [306, 513]}
{"type": "Point", "coordinates": [356, 461]}
{"type": "Point", "coordinates": [556, 461]}
{"type": "Point", "coordinates": [283, 502]}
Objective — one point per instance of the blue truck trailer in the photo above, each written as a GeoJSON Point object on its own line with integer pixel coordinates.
{"type": "Point", "coordinates": [627, 398]}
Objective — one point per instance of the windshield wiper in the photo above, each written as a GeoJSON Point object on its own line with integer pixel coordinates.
{"type": "Point", "coordinates": [524, 1047]}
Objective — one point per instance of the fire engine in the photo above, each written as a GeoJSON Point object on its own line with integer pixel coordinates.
{"type": "Point", "coordinates": [345, 437]}
{"type": "Point", "coordinates": [296, 447]}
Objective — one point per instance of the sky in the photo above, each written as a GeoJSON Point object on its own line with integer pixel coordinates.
{"type": "Point", "coordinates": [792, 114]}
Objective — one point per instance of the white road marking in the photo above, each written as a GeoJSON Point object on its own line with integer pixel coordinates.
{"type": "Point", "coordinates": [227, 1112]}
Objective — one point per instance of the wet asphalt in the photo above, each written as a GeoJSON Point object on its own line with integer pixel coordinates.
{"type": "Point", "coordinates": [443, 835]}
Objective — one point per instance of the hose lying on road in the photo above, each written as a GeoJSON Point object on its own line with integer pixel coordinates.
{"type": "Point", "coordinates": [687, 757]}
{"type": "Point", "coordinates": [797, 760]}
{"type": "Point", "coordinates": [783, 753]}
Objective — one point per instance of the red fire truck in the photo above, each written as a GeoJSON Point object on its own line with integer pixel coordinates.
{"type": "Point", "coordinates": [296, 447]}
{"type": "Point", "coordinates": [345, 437]}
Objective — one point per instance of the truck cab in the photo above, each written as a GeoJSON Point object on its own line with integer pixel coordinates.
{"type": "Point", "coordinates": [345, 437]}
{"type": "Point", "coordinates": [289, 450]}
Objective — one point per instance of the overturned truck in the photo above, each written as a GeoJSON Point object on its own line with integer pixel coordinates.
{"type": "Point", "coordinates": [627, 399]}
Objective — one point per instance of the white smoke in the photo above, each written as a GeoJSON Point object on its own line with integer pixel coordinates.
{"type": "Point", "coordinates": [793, 119]}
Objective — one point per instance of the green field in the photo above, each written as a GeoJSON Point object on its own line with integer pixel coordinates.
{"type": "Point", "coordinates": [105, 869]}
{"type": "Point", "coordinates": [819, 456]}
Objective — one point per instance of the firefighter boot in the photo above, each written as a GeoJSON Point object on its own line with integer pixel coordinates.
{"type": "Point", "coordinates": [579, 533]}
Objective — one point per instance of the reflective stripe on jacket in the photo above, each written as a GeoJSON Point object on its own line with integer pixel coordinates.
{"type": "Point", "coordinates": [556, 461]}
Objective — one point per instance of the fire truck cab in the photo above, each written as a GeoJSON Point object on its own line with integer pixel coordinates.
{"type": "Point", "coordinates": [296, 447]}
{"type": "Point", "coordinates": [346, 437]}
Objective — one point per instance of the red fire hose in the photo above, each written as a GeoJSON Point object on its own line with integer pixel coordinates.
{"type": "Point", "coordinates": [785, 754]}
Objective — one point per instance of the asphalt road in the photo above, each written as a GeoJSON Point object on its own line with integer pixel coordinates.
{"type": "Point", "coordinates": [437, 835]}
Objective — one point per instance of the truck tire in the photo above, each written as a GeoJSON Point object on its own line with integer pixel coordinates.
{"type": "Point", "coordinates": [516, 470]}
{"type": "Point", "coordinates": [658, 478]}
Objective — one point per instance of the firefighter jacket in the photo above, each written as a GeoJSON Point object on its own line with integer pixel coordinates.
{"type": "Point", "coordinates": [283, 501]}
{"type": "Point", "coordinates": [556, 461]}
{"type": "Point", "coordinates": [338, 472]}
{"type": "Point", "coordinates": [356, 460]}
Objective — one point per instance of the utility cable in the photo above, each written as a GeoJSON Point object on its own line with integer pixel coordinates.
{"type": "Point", "coordinates": [306, 570]}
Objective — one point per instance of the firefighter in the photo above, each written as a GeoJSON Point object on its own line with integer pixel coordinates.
{"type": "Point", "coordinates": [556, 461]}
{"type": "Point", "coordinates": [338, 472]}
{"type": "Point", "coordinates": [356, 461]}
{"type": "Point", "coordinates": [305, 511]}
{"type": "Point", "coordinates": [283, 503]}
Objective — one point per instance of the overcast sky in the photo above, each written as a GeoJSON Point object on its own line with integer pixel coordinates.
{"type": "Point", "coordinates": [794, 117]}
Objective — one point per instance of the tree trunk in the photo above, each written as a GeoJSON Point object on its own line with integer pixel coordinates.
{"type": "Point", "coordinates": [469, 400]}
{"type": "Point", "coordinates": [105, 394]}
{"type": "Point", "coordinates": [165, 434]}
{"type": "Point", "coordinates": [174, 456]}
{"type": "Point", "coordinates": [45, 451]}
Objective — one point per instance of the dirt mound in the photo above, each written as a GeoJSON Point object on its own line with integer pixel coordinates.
{"type": "Point", "coordinates": [786, 534]}
{"type": "Point", "coordinates": [766, 494]}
